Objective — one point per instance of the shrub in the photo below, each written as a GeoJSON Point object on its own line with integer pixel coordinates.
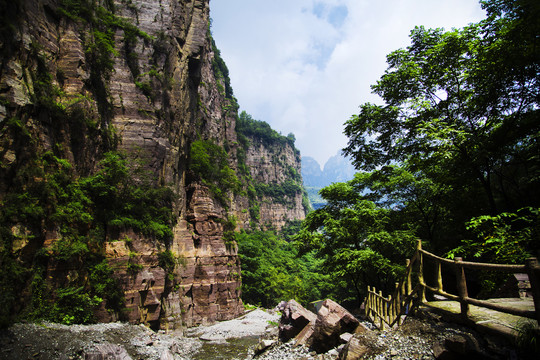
{"type": "Point", "coordinates": [209, 161]}
{"type": "Point", "coordinates": [167, 260]}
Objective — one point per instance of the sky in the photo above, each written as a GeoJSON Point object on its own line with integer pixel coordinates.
{"type": "Point", "coordinates": [305, 66]}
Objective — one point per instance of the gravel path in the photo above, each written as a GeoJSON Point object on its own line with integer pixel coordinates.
{"type": "Point", "coordinates": [255, 323]}
{"type": "Point", "coordinates": [48, 341]}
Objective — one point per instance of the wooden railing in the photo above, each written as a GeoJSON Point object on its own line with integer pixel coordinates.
{"type": "Point", "coordinates": [390, 310]}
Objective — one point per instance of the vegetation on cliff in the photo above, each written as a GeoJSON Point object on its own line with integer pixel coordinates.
{"type": "Point", "coordinates": [83, 213]}
{"type": "Point", "coordinates": [210, 162]}
{"type": "Point", "coordinates": [247, 127]}
{"type": "Point", "coordinates": [451, 157]}
{"type": "Point", "coordinates": [66, 189]}
{"type": "Point", "coordinates": [252, 133]}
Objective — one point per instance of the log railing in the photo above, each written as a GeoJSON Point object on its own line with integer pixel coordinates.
{"type": "Point", "coordinates": [388, 311]}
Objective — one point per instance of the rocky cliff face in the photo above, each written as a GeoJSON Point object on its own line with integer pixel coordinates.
{"type": "Point", "coordinates": [276, 167]}
{"type": "Point", "coordinates": [141, 78]}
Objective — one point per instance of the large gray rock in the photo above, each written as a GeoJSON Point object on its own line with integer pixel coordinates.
{"type": "Point", "coordinates": [332, 321]}
{"type": "Point", "coordinates": [461, 346]}
{"type": "Point", "coordinates": [293, 320]}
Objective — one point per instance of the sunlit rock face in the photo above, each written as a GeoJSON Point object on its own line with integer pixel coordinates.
{"type": "Point", "coordinates": [150, 95]}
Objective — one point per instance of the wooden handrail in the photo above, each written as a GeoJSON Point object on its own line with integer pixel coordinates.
{"type": "Point", "coordinates": [477, 265]}
{"type": "Point", "coordinates": [389, 311]}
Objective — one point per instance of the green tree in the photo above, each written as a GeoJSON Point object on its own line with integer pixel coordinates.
{"type": "Point", "coordinates": [272, 270]}
{"type": "Point", "coordinates": [359, 242]}
{"type": "Point", "coordinates": [452, 154]}
{"type": "Point", "coordinates": [461, 116]}
{"type": "Point", "coordinates": [467, 99]}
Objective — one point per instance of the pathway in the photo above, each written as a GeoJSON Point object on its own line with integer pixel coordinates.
{"type": "Point", "coordinates": [487, 320]}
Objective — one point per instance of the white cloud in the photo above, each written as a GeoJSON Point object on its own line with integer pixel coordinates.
{"type": "Point", "coordinates": [304, 66]}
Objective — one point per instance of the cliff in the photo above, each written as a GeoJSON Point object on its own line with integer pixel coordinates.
{"type": "Point", "coordinates": [123, 174]}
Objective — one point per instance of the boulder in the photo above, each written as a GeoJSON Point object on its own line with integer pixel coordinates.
{"type": "Point", "coordinates": [293, 320]}
{"type": "Point", "coordinates": [361, 329]}
{"type": "Point", "coordinates": [355, 349]}
{"type": "Point", "coordinates": [107, 351]}
{"type": "Point", "coordinates": [332, 321]}
{"type": "Point", "coordinates": [305, 336]}
{"type": "Point", "coordinates": [345, 337]}
{"type": "Point", "coordinates": [442, 353]}
{"type": "Point", "coordinates": [263, 345]}
{"type": "Point", "coordinates": [166, 355]}
{"type": "Point", "coordinates": [461, 346]}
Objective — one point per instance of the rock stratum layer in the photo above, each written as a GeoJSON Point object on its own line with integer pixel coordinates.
{"type": "Point", "coordinates": [142, 78]}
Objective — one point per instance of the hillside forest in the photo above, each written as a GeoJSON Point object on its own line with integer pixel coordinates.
{"type": "Point", "coordinates": [451, 157]}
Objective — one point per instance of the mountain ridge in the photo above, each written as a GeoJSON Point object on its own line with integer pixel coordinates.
{"type": "Point", "coordinates": [336, 169]}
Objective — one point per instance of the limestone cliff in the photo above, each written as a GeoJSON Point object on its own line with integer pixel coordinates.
{"type": "Point", "coordinates": [109, 113]}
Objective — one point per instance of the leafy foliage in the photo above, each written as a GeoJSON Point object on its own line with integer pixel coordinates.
{"type": "Point", "coordinates": [222, 72]}
{"type": "Point", "coordinates": [210, 162]}
{"type": "Point", "coordinates": [247, 126]}
{"type": "Point", "coordinates": [128, 198]}
{"type": "Point", "coordinates": [452, 154]}
{"type": "Point", "coordinates": [454, 148]}
{"type": "Point", "coordinates": [359, 242]}
{"type": "Point", "coordinates": [85, 212]}
{"type": "Point", "coordinates": [282, 192]}
{"type": "Point", "coordinates": [503, 238]}
{"type": "Point", "coordinates": [272, 271]}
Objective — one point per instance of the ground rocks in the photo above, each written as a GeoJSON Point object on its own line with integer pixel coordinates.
{"type": "Point", "coordinates": [355, 349]}
{"type": "Point", "coordinates": [107, 351]}
{"type": "Point", "coordinates": [255, 323]}
{"type": "Point", "coordinates": [253, 336]}
{"type": "Point", "coordinates": [112, 341]}
{"type": "Point", "coordinates": [264, 345]}
{"type": "Point", "coordinates": [462, 346]}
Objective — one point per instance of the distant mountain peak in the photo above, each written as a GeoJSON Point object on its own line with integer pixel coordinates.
{"type": "Point", "coordinates": [337, 169]}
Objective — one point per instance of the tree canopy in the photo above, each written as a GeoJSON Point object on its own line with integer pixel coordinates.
{"type": "Point", "coordinates": [461, 111]}
{"type": "Point", "coordinates": [462, 104]}
{"type": "Point", "coordinates": [451, 156]}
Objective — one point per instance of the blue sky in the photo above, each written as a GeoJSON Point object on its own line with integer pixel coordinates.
{"type": "Point", "coordinates": [305, 66]}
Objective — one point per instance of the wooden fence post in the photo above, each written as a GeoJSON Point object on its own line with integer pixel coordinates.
{"type": "Point", "coordinates": [439, 277]}
{"type": "Point", "coordinates": [397, 303]}
{"type": "Point", "coordinates": [389, 310]}
{"type": "Point", "coordinates": [421, 273]}
{"type": "Point", "coordinates": [409, 278]}
{"type": "Point", "coordinates": [462, 287]}
{"type": "Point", "coordinates": [382, 310]}
{"type": "Point", "coordinates": [533, 270]}
{"type": "Point", "coordinates": [366, 306]}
